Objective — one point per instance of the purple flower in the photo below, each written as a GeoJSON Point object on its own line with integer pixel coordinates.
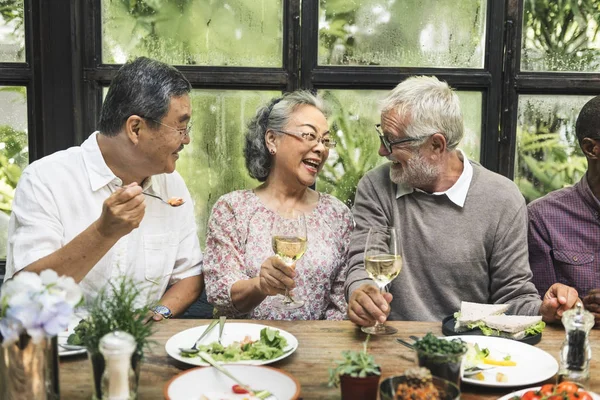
{"type": "Point", "coordinates": [40, 306]}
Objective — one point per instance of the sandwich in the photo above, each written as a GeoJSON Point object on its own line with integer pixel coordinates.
{"type": "Point", "coordinates": [513, 326]}
{"type": "Point", "coordinates": [492, 321]}
{"type": "Point", "coordinates": [472, 313]}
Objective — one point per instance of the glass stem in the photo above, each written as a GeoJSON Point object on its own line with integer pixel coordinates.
{"type": "Point", "coordinates": [288, 298]}
{"type": "Point", "coordinates": [379, 325]}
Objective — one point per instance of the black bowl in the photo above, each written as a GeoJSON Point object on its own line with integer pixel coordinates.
{"type": "Point", "coordinates": [447, 390]}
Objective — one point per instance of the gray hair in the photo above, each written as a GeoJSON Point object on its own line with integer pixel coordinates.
{"type": "Point", "coordinates": [142, 87]}
{"type": "Point", "coordinates": [431, 106]}
{"type": "Point", "coordinates": [273, 116]}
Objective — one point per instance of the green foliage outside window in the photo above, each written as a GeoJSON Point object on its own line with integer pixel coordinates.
{"type": "Point", "coordinates": [14, 156]}
{"type": "Point", "coordinates": [557, 36]}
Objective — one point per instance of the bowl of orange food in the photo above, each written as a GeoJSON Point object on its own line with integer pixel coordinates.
{"type": "Point", "coordinates": [417, 383]}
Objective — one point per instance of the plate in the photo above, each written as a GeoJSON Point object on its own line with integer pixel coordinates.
{"type": "Point", "coordinates": [232, 332]}
{"type": "Point", "coordinates": [533, 365]}
{"type": "Point", "coordinates": [522, 392]}
{"type": "Point", "coordinates": [207, 381]}
{"type": "Point", "coordinates": [448, 330]}
{"type": "Point", "coordinates": [62, 339]}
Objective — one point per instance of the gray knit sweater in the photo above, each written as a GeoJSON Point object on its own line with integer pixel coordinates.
{"type": "Point", "coordinates": [475, 253]}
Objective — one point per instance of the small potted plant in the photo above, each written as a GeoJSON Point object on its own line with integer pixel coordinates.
{"type": "Point", "coordinates": [442, 357]}
{"type": "Point", "coordinates": [357, 374]}
{"type": "Point", "coordinates": [116, 308]}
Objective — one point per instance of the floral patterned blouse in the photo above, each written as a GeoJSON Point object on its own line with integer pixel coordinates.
{"type": "Point", "coordinates": [239, 241]}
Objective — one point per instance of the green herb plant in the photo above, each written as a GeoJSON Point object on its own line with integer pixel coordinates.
{"type": "Point", "coordinates": [118, 306]}
{"type": "Point", "coordinates": [115, 308]}
{"type": "Point", "coordinates": [432, 345]}
{"type": "Point", "coordinates": [357, 364]}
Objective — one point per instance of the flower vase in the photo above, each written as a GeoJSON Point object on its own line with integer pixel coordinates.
{"type": "Point", "coordinates": [98, 365]}
{"type": "Point", "coordinates": [29, 370]}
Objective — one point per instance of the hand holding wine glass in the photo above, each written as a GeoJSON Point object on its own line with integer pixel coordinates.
{"type": "Point", "coordinates": [383, 263]}
{"type": "Point", "coordinates": [289, 244]}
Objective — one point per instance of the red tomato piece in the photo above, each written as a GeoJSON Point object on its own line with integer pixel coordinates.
{"type": "Point", "coordinates": [531, 395]}
{"type": "Point", "coordinates": [237, 389]}
{"type": "Point", "coordinates": [567, 387]}
{"type": "Point", "coordinates": [547, 389]}
{"type": "Point", "coordinates": [581, 395]}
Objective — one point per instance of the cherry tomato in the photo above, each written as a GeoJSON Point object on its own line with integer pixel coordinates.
{"type": "Point", "coordinates": [547, 389]}
{"type": "Point", "coordinates": [237, 389]}
{"type": "Point", "coordinates": [531, 395]}
{"type": "Point", "coordinates": [567, 387]}
{"type": "Point", "coordinates": [556, 397]}
{"type": "Point", "coordinates": [581, 395]}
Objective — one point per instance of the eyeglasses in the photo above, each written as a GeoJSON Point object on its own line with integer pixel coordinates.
{"type": "Point", "coordinates": [182, 131]}
{"type": "Point", "coordinates": [312, 138]}
{"type": "Point", "coordinates": [388, 144]}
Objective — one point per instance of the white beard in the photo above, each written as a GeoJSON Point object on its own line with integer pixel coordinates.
{"type": "Point", "coordinates": [417, 174]}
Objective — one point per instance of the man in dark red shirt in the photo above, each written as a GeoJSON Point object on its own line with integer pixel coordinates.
{"type": "Point", "coordinates": [564, 226]}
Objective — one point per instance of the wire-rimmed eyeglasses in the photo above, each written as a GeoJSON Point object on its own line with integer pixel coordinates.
{"type": "Point", "coordinates": [182, 131]}
{"type": "Point", "coordinates": [311, 138]}
{"type": "Point", "coordinates": [388, 144]}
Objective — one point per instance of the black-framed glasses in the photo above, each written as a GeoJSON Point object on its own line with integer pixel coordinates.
{"type": "Point", "coordinates": [312, 138]}
{"type": "Point", "coordinates": [389, 143]}
{"type": "Point", "coordinates": [182, 131]}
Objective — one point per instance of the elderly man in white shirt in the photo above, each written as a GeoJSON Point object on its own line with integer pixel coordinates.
{"type": "Point", "coordinates": [82, 212]}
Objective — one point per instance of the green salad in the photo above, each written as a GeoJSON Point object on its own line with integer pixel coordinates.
{"type": "Point", "coordinates": [270, 345]}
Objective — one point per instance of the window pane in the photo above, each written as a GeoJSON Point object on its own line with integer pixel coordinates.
{"type": "Point", "coordinates": [408, 33]}
{"type": "Point", "coordinates": [353, 118]}
{"type": "Point", "coordinates": [12, 33]}
{"type": "Point", "coordinates": [194, 32]}
{"type": "Point", "coordinates": [213, 164]}
{"type": "Point", "coordinates": [14, 154]}
{"type": "Point", "coordinates": [561, 36]}
{"type": "Point", "coordinates": [548, 155]}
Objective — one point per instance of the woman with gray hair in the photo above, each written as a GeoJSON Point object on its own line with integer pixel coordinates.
{"type": "Point", "coordinates": [287, 144]}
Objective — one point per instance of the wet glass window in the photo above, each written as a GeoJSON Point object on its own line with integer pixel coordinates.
{"type": "Point", "coordinates": [408, 33]}
{"type": "Point", "coordinates": [354, 114]}
{"type": "Point", "coordinates": [14, 152]}
{"type": "Point", "coordinates": [194, 32]}
{"type": "Point", "coordinates": [548, 154]}
{"type": "Point", "coordinates": [12, 31]}
{"type": "Point", "coordinates": [213, 163]}
{"type": "Point", "coordinates": [561, 36]}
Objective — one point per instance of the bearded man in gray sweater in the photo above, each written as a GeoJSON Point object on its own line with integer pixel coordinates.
{"type": "Point", "coordinates": [463, 228]}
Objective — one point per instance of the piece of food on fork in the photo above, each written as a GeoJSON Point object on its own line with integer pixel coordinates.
{"type": "Point", "coordinates": [175, 201]}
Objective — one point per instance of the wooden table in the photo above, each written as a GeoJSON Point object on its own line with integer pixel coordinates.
{"type": "Point", "coordinates": [320, 342]}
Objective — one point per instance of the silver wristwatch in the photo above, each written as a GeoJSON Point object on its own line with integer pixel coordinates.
{"type": "Point", "coordinates": [163, 310]}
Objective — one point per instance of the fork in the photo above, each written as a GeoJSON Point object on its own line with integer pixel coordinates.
{"type": "Point", "coordinates": [476, 369]}
{"type": "Point", "coordinates": [221, 325]}
{"type": "Point", "coordinates": [161, 199]}
{"type": "Point", "coordinates": [261, 394]}
{"type": "Point", "coordinates": [405, 343]}
{"type": "Point", "coordinates": [194, 349]}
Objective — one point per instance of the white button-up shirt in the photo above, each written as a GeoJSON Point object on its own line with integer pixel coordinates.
{"type": "Point", "coordinates": [61, 195]}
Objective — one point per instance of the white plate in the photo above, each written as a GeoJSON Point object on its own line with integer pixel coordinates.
{"type": "Point", "coordinates": [62, 339]}
{"type": "Point", "coordinates": [232, 332]}
{"type": "Point", "coordinates": [198, 382]}
{"type": "Point", "coordinates": [533, 365]}
{"type": "Point", "coordinates": [522, 392]}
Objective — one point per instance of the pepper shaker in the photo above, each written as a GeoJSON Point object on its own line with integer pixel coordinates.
{"type": "Point", "coordinates": [118, 379]}
{"type": "Point", "coordinates": [576, 353]}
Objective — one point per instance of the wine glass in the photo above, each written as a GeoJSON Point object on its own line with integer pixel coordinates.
{"type": "Point", "coordinates": [383, 262]}
{"type": "Point", "coordinates": [289, 244]}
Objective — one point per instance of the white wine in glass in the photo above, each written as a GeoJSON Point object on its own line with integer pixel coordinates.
{"type": "Point", "coordinates": [289, 244]}
{"type": "Point", "coordinates": [383, 263]}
